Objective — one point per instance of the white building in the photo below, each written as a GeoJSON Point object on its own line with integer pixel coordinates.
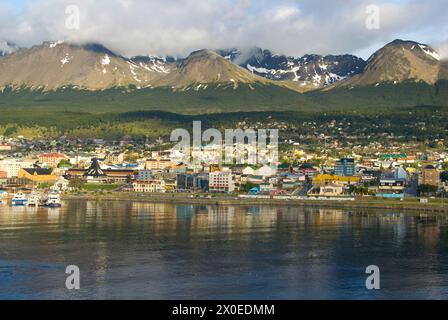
{"type": "Point", "coordinates": [153, 186]}
{"type": "Point", "coordinates": [221, 182]}
{"type": "Point", "coordinates": [12, 166]}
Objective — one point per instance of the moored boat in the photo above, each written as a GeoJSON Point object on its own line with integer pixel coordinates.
{"type": "Point", "coordinates": [53, 200]}
{"type": "Point", "coordinates": [19, 199]}
{"type": "Point", "coordinates": [34, 200]}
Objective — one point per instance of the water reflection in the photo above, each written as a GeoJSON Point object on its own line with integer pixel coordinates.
{"type": "Point", "coordinates": [165, 251]}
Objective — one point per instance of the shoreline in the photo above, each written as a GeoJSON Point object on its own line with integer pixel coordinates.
{"type": "Point", "coordinates": [224, 200]}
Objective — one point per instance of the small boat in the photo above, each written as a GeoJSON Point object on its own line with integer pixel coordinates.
{"type": "Point", "coordinates": [19, 199]}
{"type": "Point", "coordinates": [53, 200]}
{"type": "Point", "coordinates": [3, 196]}
{"type": "Point", "coordinates": [34, 200]}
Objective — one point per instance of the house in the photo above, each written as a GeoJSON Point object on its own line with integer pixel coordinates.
{"type": "Point", "coordinates": [38, 175]}
{"type": "Point", "coordinates": [266, 187]}
{"type": "Point", "coordinates": [114, 158]}
{"type": "Point", "coordinates": [283, 168]}
{"type": "Point", "coordinates": [331, 190]}
{"type": "Point", "coordinates": [306, 169]}
{"type": "Point", "coordinates": [254, 191]}
{"type": "Point", "coordinates": [61, 184]}
{"type": "Point", "coordinates": [392, 185]}
{"type": "Point", "coordinates": [5, 147]}
{"type": "Point", "coordinates": [151, 186]}
{"type": "Point", "coordinates": [328, 190]}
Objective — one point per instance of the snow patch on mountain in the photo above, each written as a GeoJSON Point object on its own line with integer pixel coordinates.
{"type": "Point", "coordinates": [54, 44]}
{"type": "Point", "coordinates": [106, 60]}
{"type": "Point", "coordinates": [66, 59]}
{"type": "Point", "coordinates": [429, 52]}
{"type": "Point", "coordinates": [313, 70]}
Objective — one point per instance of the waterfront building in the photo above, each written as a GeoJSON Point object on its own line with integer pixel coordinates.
{"type": "Point", "coordinates": [221, 182]}
{"type": "Point", "coordinates": [324, 179]}
{"type": "Point", "coordinates": [331, 190]}
{"type": "Point", "coordinates": [38, 175]}
{"type": "Point", "coordinates": [150, 186]}
{"type": "Point", "coordinates": [185, 182]}
{"type": "Point", "coordinates": [94, 174]}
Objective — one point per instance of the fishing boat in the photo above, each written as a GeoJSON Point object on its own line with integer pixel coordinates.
{"type": "Point", "coordinates": [53, 200]}
{"type": "Point", "coordinates": [34, 200]}
{"type": "Point", "coordinates": [19, 199]}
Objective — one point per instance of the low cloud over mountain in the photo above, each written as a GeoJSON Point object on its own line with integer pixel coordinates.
{"type": "Point", "coordinates": [178, 27]}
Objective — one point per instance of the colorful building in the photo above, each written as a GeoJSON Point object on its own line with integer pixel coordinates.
{"type": "Point", "coordinates": [38, 175]}
{"type": "Point", "coordinates": [51, 159]}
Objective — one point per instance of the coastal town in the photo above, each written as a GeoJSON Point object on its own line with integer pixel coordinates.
{"type": "Point", "coordinates": [29, 168]}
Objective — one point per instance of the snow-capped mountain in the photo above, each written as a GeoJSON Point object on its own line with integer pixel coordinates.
{"type": "Point", "coordinates": [55, 65]}
{"type": "Point", "coordinates": [311, 70]}
{"type": "Point", "coordinates": [155, 63]}
{"type": "Point", "coordinates": [7, 47]}
{"type": "Point", "coordinates": [401, 61]}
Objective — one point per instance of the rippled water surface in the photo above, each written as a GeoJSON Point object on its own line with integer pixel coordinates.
{"type": "Point", "coordinates": [133, 250]}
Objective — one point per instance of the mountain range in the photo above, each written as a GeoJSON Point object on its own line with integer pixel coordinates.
{"type": "Point", "coordinates": [59, 65]}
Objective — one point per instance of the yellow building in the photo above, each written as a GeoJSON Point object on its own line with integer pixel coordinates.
{"type": "Point", "coordinates": [37, 175]}
{"type": "Point", "coordinates": [325, 179]}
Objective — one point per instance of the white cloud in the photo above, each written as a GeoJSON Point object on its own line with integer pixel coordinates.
{"type": "Point", "coordinates": [284, 13]}
{"type": "Point", "coordinates": [177, 27]}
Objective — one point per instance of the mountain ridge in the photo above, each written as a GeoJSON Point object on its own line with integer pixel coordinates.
{"type": "Point", "coordinates": [91, 66]}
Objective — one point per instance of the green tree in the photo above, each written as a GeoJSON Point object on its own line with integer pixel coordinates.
{"type": "Point", "coordinates": [76, 183]}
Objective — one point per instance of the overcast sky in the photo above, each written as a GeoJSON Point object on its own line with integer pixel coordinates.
{"type": "Point", "coordinates": [177, 27]}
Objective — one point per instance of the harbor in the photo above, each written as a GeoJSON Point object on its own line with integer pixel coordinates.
{"type": "Point", "coordinates": [149, 250]}
{"type": "Point", "coordinates": [21, 198]}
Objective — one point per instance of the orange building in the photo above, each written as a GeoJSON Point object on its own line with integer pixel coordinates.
{"type": "Point", "coordinates": [430, 176]}
{"type": "Point", "coordinates": [158, 163]}
{"type": "Point", "coordinates": [37, 175]}
{"type": "Point", "coordinates": [51, 159]}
